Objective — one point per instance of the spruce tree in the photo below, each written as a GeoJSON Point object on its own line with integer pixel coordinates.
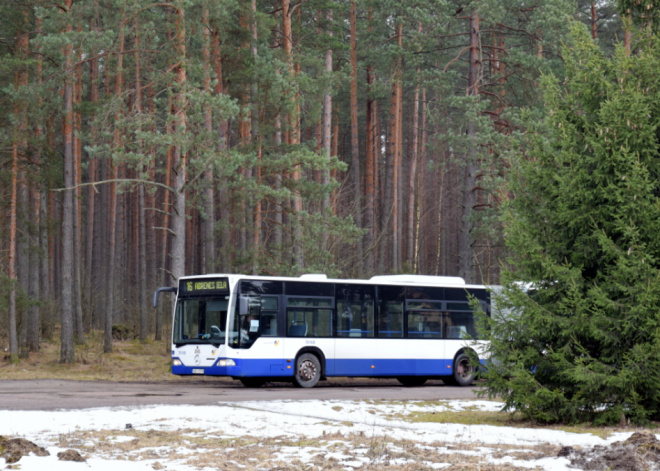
{"type": "Point", "coordinates": [576, 332]}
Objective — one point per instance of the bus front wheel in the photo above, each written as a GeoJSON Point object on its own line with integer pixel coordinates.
{"type": "Point", "coordinates": [308, 371]}
{"type": "Point", "coordinates": [463, 374]}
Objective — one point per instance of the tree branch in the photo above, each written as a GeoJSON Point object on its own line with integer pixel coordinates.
{"type": "Point", "coordinates": [119, 180]}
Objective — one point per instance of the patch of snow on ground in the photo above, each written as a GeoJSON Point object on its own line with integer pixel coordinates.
{"type": "Point", "coordinates": [291, 419]}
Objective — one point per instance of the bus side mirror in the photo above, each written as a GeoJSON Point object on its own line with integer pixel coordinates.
{"type": "Point", "coordinates": [243, 306]}
{"type": "Point", "coordinates": [165, 289]}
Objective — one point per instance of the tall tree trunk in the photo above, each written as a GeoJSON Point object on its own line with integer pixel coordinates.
{"type": "Point", "coordinates": [142, 229]}
{"type": "Point", "coordinates": [327, 133]}
{"type": "Point", "coordinates": [13, 334]}
{"type": "Point", "coordinates": [90, 273]}
{"type": "Point", "coordinates": [466, 239]}
{"type": "Point", "coordinates": [421, 189]}
{"type": "Point", "coordinates": [180, 160]}
{"type": "Point", "coordinates": [24, 246]}
{"type": "Point", "coordinates": [225, 234]}
{"type": "Point", "coordinates": [23, 254]}
{"type": "Point", "coordinates": [391, 215]}
{"type": "Point", "coordinates": [294, 136]}
{"type": "Point", "coordinates": [114, 207]}
{"type": "Point", "coordinates": [594, 21]}
{"type": "Point", "coordinates": [33, 313]}
{"type": "Point", "coordinates": [355, 150]}
{"type": "Point", "coordinates": [209, 190]}
{"type": "Point", "coordinates": [77, 168]}
{"type": "Point", "coordinates": [67, 288]}
{"type": "Point", "coordinates": [412, 177]}
{"type": "Point", "coordinates": [398, 167]}
{"type": "Point", "coordinates": [385, 262]}
{"type": "Point", "coordinates": [256, 138]}
{"type": "Point", "coordinates": [41, 226]}
{"type": "Point", "coordinates": [370, 165]}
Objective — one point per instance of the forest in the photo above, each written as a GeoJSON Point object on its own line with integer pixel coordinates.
{"type": "Point", "coordinates": [145, 141]}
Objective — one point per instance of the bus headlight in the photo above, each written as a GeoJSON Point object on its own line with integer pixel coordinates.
{"type": "Point", "coordinates": [176, 362]}
{"type": "Point", "coordinates": [226, 362]}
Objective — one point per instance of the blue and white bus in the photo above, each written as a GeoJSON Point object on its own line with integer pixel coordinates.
{"type": "Point", "coordinates": [303, 330]}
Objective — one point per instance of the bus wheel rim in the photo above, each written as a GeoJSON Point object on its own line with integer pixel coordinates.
{"type": "Point", "coordinates": [464, 369]}
{"type": "Point", "coordinates": [307, 370]}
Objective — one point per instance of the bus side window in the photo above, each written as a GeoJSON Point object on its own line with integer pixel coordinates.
{"type": "Point", "coordinates": [269, 316]}
{"type": "Point", "coordinates": [309, 322]}
{"type": "Point", "coordinates": [391, 301]}
{"type": "Point", "coordinates": [355, 310]}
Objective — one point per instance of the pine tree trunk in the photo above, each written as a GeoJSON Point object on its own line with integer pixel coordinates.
{"type": "Point", "coordinates": [77, 220]}
{"type": "Point", "coordinates": [208, 234]}
{"type": "Point", "coordinates": [142, 229]}
{"type": "Point", "coordinates": [294, 137]}
{"type": "Point", "coordinates": [24, 246]}
{"type": "Point", "coordinates": [421, 190]}
{"type": "Point", "coordinates": [180, 162]}
{"type": "Point", "coordinates": [114, 204]}
{"type": "Point", "coordinates": [594, 21]}
{"type": "Point", "coordinates": [13, 334]}
{"type": "Point", "coordinates": [33, 313]}
{"type": "Point", "coordinates": [398, 167]}
{"type": "Point", "coordinates": [466, 239]}
{"type": "Point", "coordinates": [67, 288]}
{"type": "Point", "coordinates": [256, 138]}
{"type": "Point", "coordinates": [327, 134]}
{"type": "Point", "coordinates": [412, 177]}
{"type": "Point", "coordinates": [223, 194]}
{"type": "Point", "coordinates": [90, 273]}
{"type": "Point", "coordinates": [355, 150]}
{"type": "Point", "coordinates": [40, 264]}
{"type": "Point", "coordinates": [370, 165]}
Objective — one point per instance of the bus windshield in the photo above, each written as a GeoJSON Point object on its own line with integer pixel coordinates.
{"type": "Point", "coordinates": [200, 321]}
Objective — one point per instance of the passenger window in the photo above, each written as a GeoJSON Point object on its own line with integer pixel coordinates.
{"type": "Point", "coordinates": [308, 322]}
{"type": "Point", "coordinates": [269, 316]}
{"type": "Point", "coordinates": [391, 320]}
{"type": "Point", "coordinates": [355, 311]}
{"type": "Point", "coordinates": [425, 325]}
{"type": "Point", "coordinates": [460, 325]}
{"type": "Point", "coordinates": [391, 301]}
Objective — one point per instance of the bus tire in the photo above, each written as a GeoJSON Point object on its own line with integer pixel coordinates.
{"type": "Point", "coordinates": [412, 380]}
{"type": "Point", "coordinates": [252, 382]}
{"type": "Point", "coordinates": [463, 372]}
{"type": "Point", "coordinates": [308, 371]}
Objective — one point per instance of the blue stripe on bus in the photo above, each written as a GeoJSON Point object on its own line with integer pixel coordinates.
{"type": "Point", "coordinates": [389, 367]}
{"type": "Point", "coordinates": [272, 367]}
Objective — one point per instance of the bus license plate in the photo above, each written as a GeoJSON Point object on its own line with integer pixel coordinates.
{"type": "Point", "coordinates": [198, 371]}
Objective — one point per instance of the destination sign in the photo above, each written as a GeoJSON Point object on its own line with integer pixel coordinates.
{"type": "Point", "coordinates": [201, 286]}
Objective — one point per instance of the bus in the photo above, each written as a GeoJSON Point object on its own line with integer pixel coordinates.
{"type": "Point", "coordinates": [303, 330]}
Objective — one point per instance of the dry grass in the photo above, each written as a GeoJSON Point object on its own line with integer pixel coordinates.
{"type": "Point", "coordinates": [126, 363]}
{"type": "Point", "coordinates": [473, 416]}
{"type": "Point", "coordinates": [203, 449]}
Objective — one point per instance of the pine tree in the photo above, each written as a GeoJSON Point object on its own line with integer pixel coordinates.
{"type": "Point", "coordinates": [576, 336]}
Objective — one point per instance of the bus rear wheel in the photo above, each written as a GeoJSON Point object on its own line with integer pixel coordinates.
{"type": "Point", "coordinates": [463, 372]}
{"type": "Point", "coordinates": [308, 371]}
{"type": "Point", "coordinates": [411, 381]}
{"type": "Point", "coordinates": [252, 382]}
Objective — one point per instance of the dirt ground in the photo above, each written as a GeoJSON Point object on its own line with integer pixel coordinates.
{"type": "Point", "coordinates": [641, 452]}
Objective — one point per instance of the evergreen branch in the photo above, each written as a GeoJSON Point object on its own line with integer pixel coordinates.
{"type": "Point", "coordinates": [456, 58]}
